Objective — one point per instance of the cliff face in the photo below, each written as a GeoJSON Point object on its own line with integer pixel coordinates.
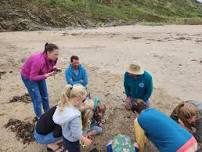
{"type": "Point", "coordinates": [17, 15]}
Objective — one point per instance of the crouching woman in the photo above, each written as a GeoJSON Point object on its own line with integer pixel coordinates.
{"type": "Point", "coordinates": [161, 130]}
{"type": "Point", "coordinates": [47, 132]}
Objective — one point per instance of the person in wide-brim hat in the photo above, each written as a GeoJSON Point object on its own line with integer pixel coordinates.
{"type": "Point", "coordinates": [135, 69]}
{"type": "Point", "coordinates": [138, 84]}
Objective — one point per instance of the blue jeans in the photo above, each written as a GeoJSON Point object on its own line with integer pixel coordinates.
{"type": "Point", "coordinates": [45, 139]}
{"type": "Point", "coordinates": [38, 93]}
{"type": "Point", "coordinates": [95, 127]}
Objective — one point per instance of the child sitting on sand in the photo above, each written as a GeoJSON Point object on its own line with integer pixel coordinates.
{"type": "Point", "coordinates": [68, 116]}
{"type": "Point", "coordinates": [97, 119]}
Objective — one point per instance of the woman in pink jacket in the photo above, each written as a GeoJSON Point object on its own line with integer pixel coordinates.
{"type": "Point", "coordinates": [34, 72]}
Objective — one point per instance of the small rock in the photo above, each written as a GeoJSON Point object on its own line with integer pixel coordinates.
{"type": "Point", "coordinates": [75, 34]}
{"type": "Point", "coordinates": [182, 38]}
{"type": "Point", "coordinates": [27, 134]}
{"type": "Point", "coordinates": [12, 127]}
{"type": "Point", "coordinates": [2, 73]}
{"type": "Point", "coordinates": [135, 37]}
{"type": "Point", "coordinates": [2, 114]}
{"type": "Point", "coordinates": [64, 34]}
{"type": "Point", "coordinates": [23, 60]}
{"type": "Point", "coordinates": [198, 40]}
{"type": "Point", "coordinates": [106, 94]}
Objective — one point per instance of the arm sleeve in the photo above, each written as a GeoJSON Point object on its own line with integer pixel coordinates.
{"type": "Point", "coordinates": [68, 76]}
{"type": "Point", "coordinates": [57, 132]}
{"type": "Point", "coordinates": [149, 89]}
{"type": "Point", "coordinates": [126, 87]}
{"type": "Point", "coordinates": [35, 70]}
{"type": "Point", "coordinates": [85, 78]}
{"type": "Point", "coordinates": [76, 128]}
{"type": "Point", "coordinates": [139, 136]}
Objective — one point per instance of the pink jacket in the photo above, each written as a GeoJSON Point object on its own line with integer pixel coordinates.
{"type": "Point", "coordinates": [36, 66]}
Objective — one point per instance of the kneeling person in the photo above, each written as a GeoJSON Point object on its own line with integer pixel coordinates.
{"type": "Point", "coordinates": [96, 123]}
{"type": "Point", "coordinates": [189, 115]}
{"type": "Point", "coordinates": [165, 133]}
{"type": "Point", "coordinates": [138, 84]}
{"type": "Point", "coordinates": [47, 132]}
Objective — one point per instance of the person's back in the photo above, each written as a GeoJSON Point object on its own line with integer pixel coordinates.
{"type": "Point", "coordinates": [45, 124]}
{"type": "Point", "coordinates": [26, 67]}
{"type": "Point", "coordinates": [165, 133]}
{"type": "Point", "coordinates": [36, 66]}
{"type": "Point", "coordinates": [65, 120]}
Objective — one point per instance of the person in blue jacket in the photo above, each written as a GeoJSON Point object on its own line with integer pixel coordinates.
{"type": "Point", "coordinates": [138, 84]}
{"type": "Point", "coordinates": [76, 73]}
{"type": "Point", "coordinates": [161, 130]}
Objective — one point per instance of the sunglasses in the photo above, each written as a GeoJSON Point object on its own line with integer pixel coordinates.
{"type": "Point", "coordinates": [84, 99]}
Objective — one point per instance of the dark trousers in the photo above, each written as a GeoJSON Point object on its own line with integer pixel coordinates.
{"type": "Point", "coordinates": [71, 146]}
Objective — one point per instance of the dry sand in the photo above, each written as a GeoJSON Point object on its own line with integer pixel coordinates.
{"type": "Point", "coordinates": [173, 54]}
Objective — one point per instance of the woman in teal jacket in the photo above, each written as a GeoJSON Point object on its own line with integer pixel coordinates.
{"type": "Point", "coordinates": [138, 85]}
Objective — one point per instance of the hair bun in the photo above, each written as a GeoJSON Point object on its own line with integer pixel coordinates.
{"type": "Point", "coordinates": [46, 44]}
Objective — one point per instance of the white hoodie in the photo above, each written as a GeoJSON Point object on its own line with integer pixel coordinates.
{"type": "Point", "coordinates": [70, 121]}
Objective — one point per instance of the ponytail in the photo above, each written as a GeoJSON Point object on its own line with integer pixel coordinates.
{"type": "Point", "coordinates": [49, 47]}
{"type": "Point", "coordinates": [65, 97]}
{"type": "Point", "coordinates": [86, 117]}
{"type": "Point", "coordinates": [70, 92]}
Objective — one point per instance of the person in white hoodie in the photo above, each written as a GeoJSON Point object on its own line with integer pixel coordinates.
{"type": "Point", "coordinates": [68, 116]}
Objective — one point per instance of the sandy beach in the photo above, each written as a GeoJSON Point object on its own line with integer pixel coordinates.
{"type": "Point", "coordinates": [171, 53]}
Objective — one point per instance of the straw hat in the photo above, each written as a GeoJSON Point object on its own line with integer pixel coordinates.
{"type": "Point", "coordinates": [135, 69]}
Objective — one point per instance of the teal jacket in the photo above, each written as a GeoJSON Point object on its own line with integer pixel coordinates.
{"type": "Point", "coordinates": [138, 88]}
{"type": "Point", "coordinates": [72, 78]}
{"type": "Point", "coordinates": [165, 134]}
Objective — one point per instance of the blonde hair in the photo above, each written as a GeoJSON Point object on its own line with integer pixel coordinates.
{"type": "Point", "coordinates": [89, 104]}
{"type": "Point", "coordinates": [86, 117]}
{"type": "Point", "coordinates": [69, 92]}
